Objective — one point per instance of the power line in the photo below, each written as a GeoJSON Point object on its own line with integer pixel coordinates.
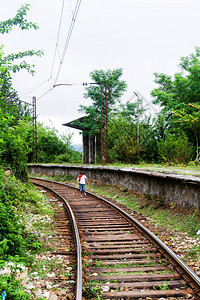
{"type": "Point", "coordinates": [34, 88]}
{"type": "Point", "coordinates": [24, 102]}
{"type": "Point", "coordinates": [68, 37]}
{"type": "Point", "coordinates": [53, 57]}
{"type": "Point", "coordinates": [56, 48]}
{"type": "Point", "coordinates": [67, 84]}
{"type": "Point", "coordinates": [71, 84]}
{"type": "Point", "coordinates": [45, 93]}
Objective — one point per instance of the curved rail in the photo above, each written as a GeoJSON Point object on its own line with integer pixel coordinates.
{"type": "Point", "coordinates": [79, 279]}
{"type": "Point", "coordinates": [181, 267]}
{"type": "Point", "coordinates": [194, 279]}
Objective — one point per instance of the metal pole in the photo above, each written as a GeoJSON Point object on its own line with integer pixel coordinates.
{"type": "Point", "coordinates": [138, 124]}
{"type": "Point", "coordinates": [104, 124]}
{"type": "Point", "coordinates": [102, 159]}
{"type": "Point", "coordinates": [107, 158]}
{"type": "Point", "coordinates": [34, 149]}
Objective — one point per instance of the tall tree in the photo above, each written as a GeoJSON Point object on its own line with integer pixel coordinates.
{"type": "Point", "coordinates": [191, 121]}
{"type": "Point", "coordinates": [115, 89]}
{"type": "Point", "coordinates": [176, 93]}
{"type": "Point", "coordinates": [13, 149]}
{"type": "Point", "coordinates": [13, 63]}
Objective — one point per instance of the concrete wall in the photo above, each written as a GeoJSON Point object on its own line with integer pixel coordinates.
{"type": "Point", "coordinates": [180, 189]}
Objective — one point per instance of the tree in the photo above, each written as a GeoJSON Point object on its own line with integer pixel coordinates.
{"type": "Point", "coordinates": [13, 150]}
{"type": "Point", "coordinates": [175, 94]}
{"type": "Point", "coordinates": [115, 89]}
{"type": "Point", "coordinates": [122, 140]}
{"type": "Point", "coordinates": [13, 63]}
{"type": "Point", "coordinates": [175, 149]}
{"type": "Point", "coordinates": [123, 135]}
{"type": "Point", "coordinates": [191, 121]}
{"type": "Point", "coordinates": [51, 146]}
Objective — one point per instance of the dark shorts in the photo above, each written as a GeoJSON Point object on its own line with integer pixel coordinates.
{"type": "Point", "coordinates": [82, 187]}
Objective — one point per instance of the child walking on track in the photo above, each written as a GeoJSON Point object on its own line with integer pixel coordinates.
{"type": "Point", "coordinates": [82, 179]}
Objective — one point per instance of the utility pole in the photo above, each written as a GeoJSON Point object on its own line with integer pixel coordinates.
{"type": "Point", "coordinates": [138, 124]}
{"type": "Point", "coordinates": [104, 124]}
{"type": "Point", "coordinates": [34, 148]}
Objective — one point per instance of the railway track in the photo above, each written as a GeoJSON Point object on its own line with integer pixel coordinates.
{"type": "Point", "coordinates": [118, 258]}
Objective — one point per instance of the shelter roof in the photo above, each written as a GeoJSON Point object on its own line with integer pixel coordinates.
{"type": "Point", "coordinates": [76, 124]}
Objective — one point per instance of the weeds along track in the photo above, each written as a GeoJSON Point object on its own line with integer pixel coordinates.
{"type": "Point", "coordinates": [121, 259]}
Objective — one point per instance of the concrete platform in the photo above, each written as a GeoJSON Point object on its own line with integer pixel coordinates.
{"type": "Point", "coordinates": [182, 189]}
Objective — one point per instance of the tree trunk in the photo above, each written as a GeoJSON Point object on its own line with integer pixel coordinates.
{"type": "Point", "coordinates": [197, 141]}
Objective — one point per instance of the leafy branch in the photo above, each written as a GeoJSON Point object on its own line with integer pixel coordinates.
{"type": "Point", "coordinates": [18, 20]}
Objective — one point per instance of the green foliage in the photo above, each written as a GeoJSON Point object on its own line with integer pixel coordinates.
{"type": "Point", "coordinates": [13, 153]}
{"type": "Point", "coordinates": [14, 239]}
{"type": "Point", "coordinates": [8, 62]}
{"type": "Point", "coordinates": [122, 140]}
{"type": "Point", "coordinates": [175, 95]}
{"type": "Point", "coordinates": [53, 147]}
{"type": "Point", "coordinates": [13, 148]}
{"type": "Point", "coordinates": [194, 252]}
{"type": "Point", "coordinates": [115, 89]}
{"type": "Point", "coordinates": [191, 121]}
{"type": "Point", "coordinates": [71, 156]}
{"type": "Point", "coordinates": [14, 291]}
{"type": "Point", "coordinates": [175, 149]}
{"type": "Point", "coordinates": [18, 20]}
{"type": "Point", "coordinates": [92, 289]}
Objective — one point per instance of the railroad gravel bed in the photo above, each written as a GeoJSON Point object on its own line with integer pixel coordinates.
{"type": "Point", "coordinates": [53, 275]}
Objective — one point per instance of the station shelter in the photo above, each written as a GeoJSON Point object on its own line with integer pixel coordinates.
{"type": "Point", "coordinates": [91, 146]}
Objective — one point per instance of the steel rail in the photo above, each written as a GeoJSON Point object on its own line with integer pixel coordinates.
{"type": "Point", "coordinates": [191, 278]}
{"type": "Point", "coordinates": [79, 279]}
{"type": "Point", "coordinates": [194, 280]}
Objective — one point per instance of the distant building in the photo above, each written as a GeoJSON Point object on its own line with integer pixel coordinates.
{"type": "Point", "coordinates": [91, 147]}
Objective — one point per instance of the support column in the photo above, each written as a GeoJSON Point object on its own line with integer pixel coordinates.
{"type": "Point", "coordinates": [85, 157]}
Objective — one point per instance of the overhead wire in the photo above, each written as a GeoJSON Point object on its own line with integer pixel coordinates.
{"type": "Point", "coordinates": [74, 16]}
{"type": "Point", "coordinates": [68, 38]}
{"type": "Point", "coordinates": [58, 35]}
{"type": "Point", "coordinates": [34, 88]}
{"type": "Point", "coordinates": [45, 93]}
{"type": "Point", "coordinates": [54, 57]}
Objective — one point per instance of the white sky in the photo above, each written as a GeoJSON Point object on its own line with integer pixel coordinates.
{"type": "Point", "coordinates": [139, 36]}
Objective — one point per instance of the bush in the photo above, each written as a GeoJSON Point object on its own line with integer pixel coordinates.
{"type": "Point", "coordinates": [14, 238]}
{"type": "Point", "coordinates": [12, 148]}
{"type": "Point", "coordinates": [71, 156]}
{"type": "Point", "coordinates": [14, 291]}
{"type": "Point", "coordinates": [175, 149]}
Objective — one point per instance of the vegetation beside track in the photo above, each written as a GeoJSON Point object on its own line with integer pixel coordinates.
{"type": "Point", "coordinates": [24, 230]}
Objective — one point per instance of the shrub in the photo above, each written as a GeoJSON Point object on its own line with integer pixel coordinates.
{"type": "Point", "coordinates": [14, 291]}
{"type": "Point", "coordinates": [14, 238]}
{"type": "Point", "coordinates": [13, 148]}
{"type": "Point", "coordinates": [71, 156]}
{"type": "Point", "coordinates": [175, 149]}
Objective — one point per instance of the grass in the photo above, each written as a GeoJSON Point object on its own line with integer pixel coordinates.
{"type": "Point", "coordinates": [162, 215]}
{"type": "Point", "coordinates": [191, 169]}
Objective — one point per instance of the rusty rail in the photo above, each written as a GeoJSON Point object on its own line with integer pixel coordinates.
{"type": "Point", "coordinates": [185, 272]}
{"type": "Point", "coordinates": [79, 279]}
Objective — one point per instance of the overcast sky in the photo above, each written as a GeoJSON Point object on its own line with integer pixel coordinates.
{"type": "Point", "coordinates": [139, 36]}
